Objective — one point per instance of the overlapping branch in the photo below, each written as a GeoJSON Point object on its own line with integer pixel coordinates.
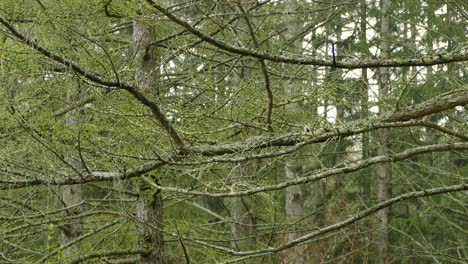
{"type": "Point", "coordinates": [218, 151]}
{"type": "Point", "coordinates": [94, 77]}
{"type": "Point", "coordinates": [326, 173]}
{"type": "Point", "coordinates": [263, 67]}
{"type": "Point", "coordinates": [342, 224]}
{"type": "Point", "coordinates": [292, 140]}
{"type": "Point", "coordinates": [303, 60]}
{"type": "Point", "coordinates": [396, 119]}
{"type": "Point", "coordinates": [147, 167]}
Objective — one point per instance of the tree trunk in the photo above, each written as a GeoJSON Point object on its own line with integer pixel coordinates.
{"type": "Point", "coordinates": [366, 183]}
{"type": "Point", "coordinates": [383, 169]}
{"type": "Point", "coordinates": [335, 75]}
{"type": "Point", "coordinates": [294, 204]}
{"type": "Point", "coordinates": [242, 212]}
{"type": "Point", "coordinates": [294, 211]}
{"type": "Point", "coordinates": [149, 207]}
{"type": "Point", "coordinates": [150, 215]}
{"type": "Point", "coordinates": [72, 194]}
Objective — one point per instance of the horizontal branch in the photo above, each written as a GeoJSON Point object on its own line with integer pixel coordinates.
{"type": "Point", "coordinates": [294, 140]}
{"type": "Point", "coordinates": [432, 106]}
{"type": "Point", "coordinates": [326, 173]}
{"type": "Point", "coordinates": [303, 60]}
{"type": "Point", "coordinates": [345, 223]}
{"type": "Point", "coordinates": [94, 176]}
{"type": "Point", "coordinates": [56, 220]}
{"type": "Point", "coordinates": [109, 254]}
{"type": "Point", "coordinates": [444, 130]}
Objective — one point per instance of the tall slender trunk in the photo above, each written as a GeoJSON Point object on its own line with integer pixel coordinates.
{"type": "Point", "coordinates": [150, 216]}
{"type": "Point", "coordinates": [429, 36]}
{"type": "Point", "coordinates": [364, 96]}
{"type": "Point", "coordinates": [413, 35]}
{"type": "Point", "coordinates": [383, 169]}
{"type": "Point", "coordinates": [335, 76]}
{"type": "Point", "coordinates": [365, 182]}
{"type": "Point", "coordinates": [150, 204]}
{"type": "Point", "coordinates": [294, 207]}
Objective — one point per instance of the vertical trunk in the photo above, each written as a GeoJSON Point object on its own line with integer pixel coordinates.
{"type": "Point", "coordinates": [364, 95]}
{"type": "Point", "coordinates": [149, 207]}
{"type": "Point", "coordinates": [383, 169]}
{"type": "Point", "coordinates": [450, 43]}
{"type": "Point", "coordinates": [72, 194]}
{"type": "Point", "coordinates": [146, 59]}
{"type": "Point", "coordinates": [243, 227]}
{"type": "Point", "coordinates": [335, 78]}
{"type": "Point", "coordinates": [294, 211]}
{"type": "Point", "coordinates": [413, 34]}
{"type": "Point", "coordinates": [294, 207]}
{"type": "Point", "coordinates": [150, 216]}
{"type": "Point", "coordinates": [429, 36]}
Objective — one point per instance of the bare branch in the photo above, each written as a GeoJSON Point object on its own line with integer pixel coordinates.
{"type": "Point", "coordinates": [73, 106]}
{"type": "Point", "coordinates": [345, 223]}
{"type": "Point", "coordinates": [296, 140]}
{"type": "Point", "coordinates": [263, 67]}
{"type": "Point", "coordinates": [109, 254]}
{"type": "Point", "coordinates": [334, 227]}
{"type": "Point", "coordinates": [325, 173]}
{"type": "Point", "coordinates": [78, 239]}
{"type": "Point", "coordinates": [303, 60]}
{"type": "Point", "coordinates": [94, 77]}
{"type": "Point", "coordinates": [435, 105]}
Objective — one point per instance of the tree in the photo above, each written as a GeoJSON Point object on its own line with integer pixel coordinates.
{"type": "Point", "coordinates": [383, 169]}
{"type": "Point", "coordinates": [193, 110]}
{"type": "Point", "coordinates": [150, 204]}
{"type": "Point", "coordinates": [294, 167]}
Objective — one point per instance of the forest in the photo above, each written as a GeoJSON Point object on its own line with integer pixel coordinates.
{"type": "Point", "coordinates": [233, 131]}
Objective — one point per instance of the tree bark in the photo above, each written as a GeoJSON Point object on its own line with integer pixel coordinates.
{"type": "Point", "coordinates": [366, 184]}
{"type": "Point", "coordinates": [383, 169]}
{"type": "Point", "coordinates": [150, 204]}
{"type": "Point", "coordinates": [71, 195]}
{"type": "Point", "coordinates": [335, 76]}
{"type": "Point", "coordinates": [294, 195]}
{"type": "Point", "coordinates": [150, 216]}
{"type": "Point", "coordinates": [294, 212]}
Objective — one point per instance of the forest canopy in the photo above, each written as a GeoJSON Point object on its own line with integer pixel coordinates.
{"type": "Point", "coordinates": [233, 131]}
